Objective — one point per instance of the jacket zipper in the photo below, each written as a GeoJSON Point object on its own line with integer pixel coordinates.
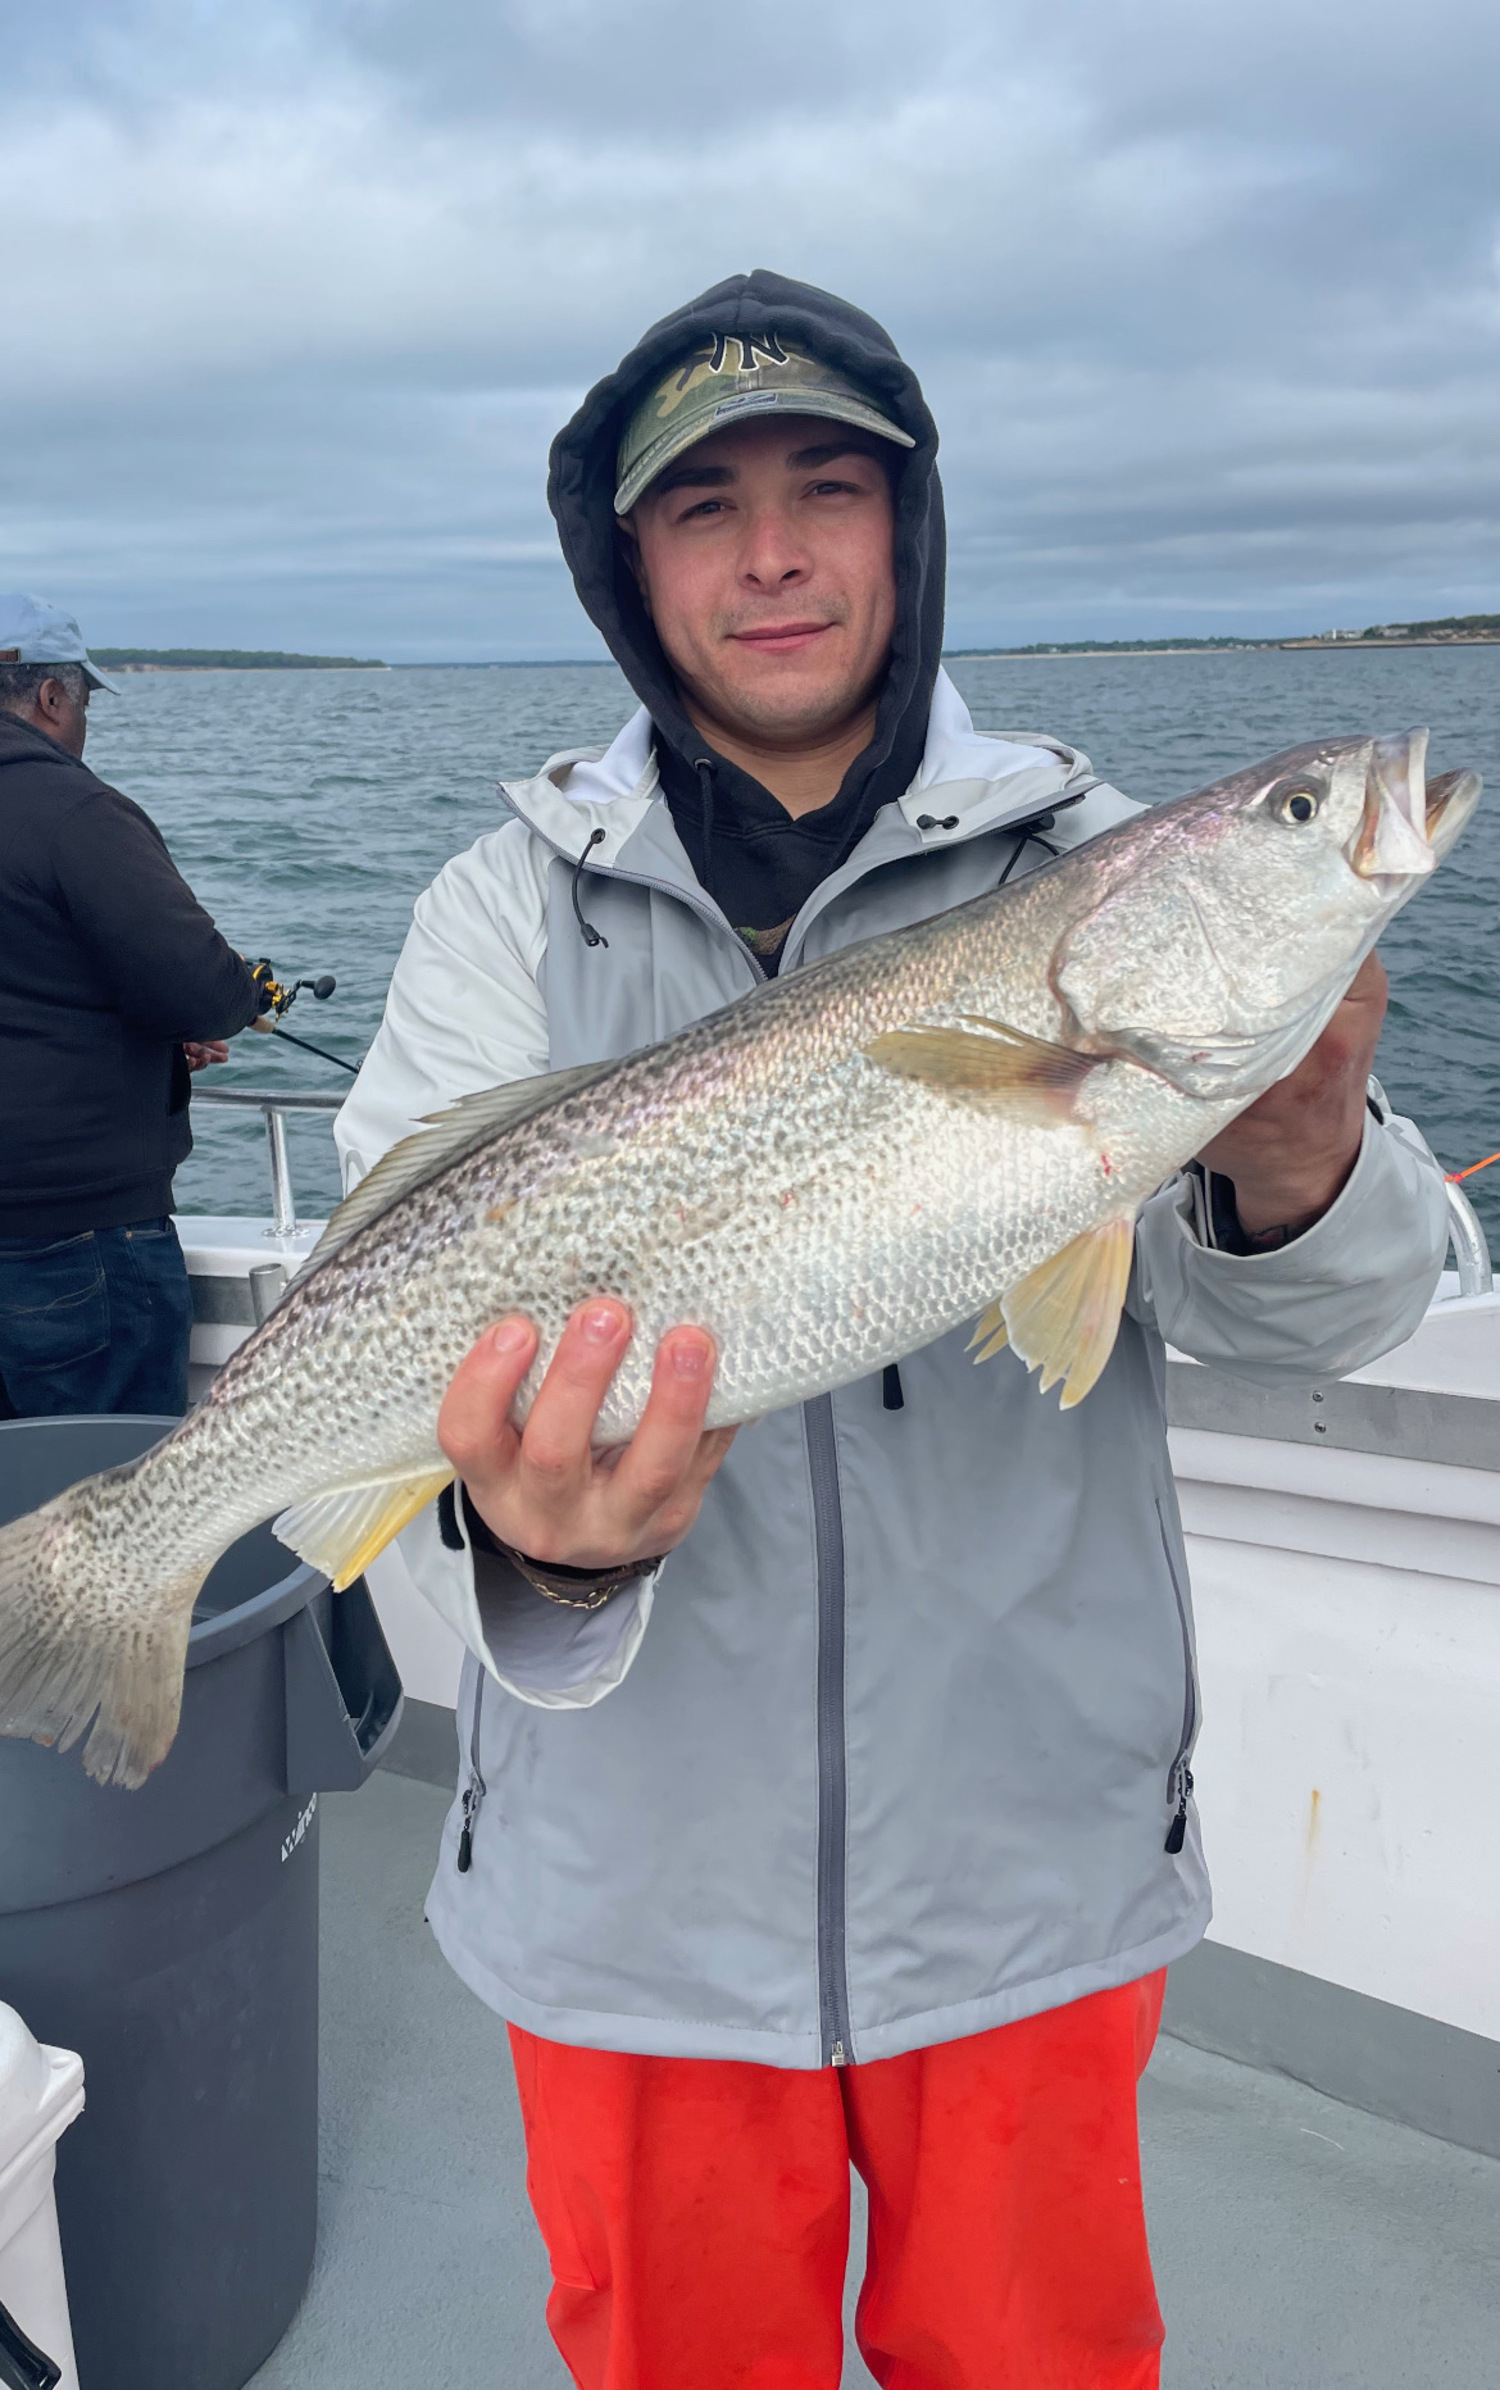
{"type": "Point", "coordinates": [474, 1790]}
{"type": "Point", "coordinates": [1180, 1774]}
{"type": "Point", "coordinates": [833, 1784]}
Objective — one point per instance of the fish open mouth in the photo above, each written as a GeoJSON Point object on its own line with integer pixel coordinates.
{"type": "Point", "coordinates": [1451, 798]}
{"type": "Point", "coordinates": [1408, 825]}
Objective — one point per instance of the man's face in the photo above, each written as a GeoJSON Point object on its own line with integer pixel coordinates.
{"type": "Point", "coordinates": [765, 559]}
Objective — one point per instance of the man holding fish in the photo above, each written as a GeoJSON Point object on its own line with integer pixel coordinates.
{"type": "Point", "coordinates": [883, 1840]}
{"type": "Point", "coordinates": [826, 1729]}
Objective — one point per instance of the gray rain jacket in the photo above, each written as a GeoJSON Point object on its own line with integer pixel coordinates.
{"type": "Point", "coordinates": [895, 1747]}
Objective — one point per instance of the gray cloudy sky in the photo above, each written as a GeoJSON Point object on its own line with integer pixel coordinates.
{"type": "Point", "coordinates": [1206, 296]}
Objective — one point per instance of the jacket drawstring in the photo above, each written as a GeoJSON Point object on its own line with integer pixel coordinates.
{"type": "Point", "coordinates": [1028, 833]}
{"type": "Point", "coordinates": [591, 936]}
{"type": "Point", "coordinates": [890, 1388]}
{"type": "Point", "coordinates": [705, 771]}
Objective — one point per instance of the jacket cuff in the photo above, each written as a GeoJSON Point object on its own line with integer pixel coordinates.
{"type": "Point", "coordinates": [1351, 1286]}
{"type": "Point", "coordinates": [556, 1666]}
{"type": "Point", "coordinates": [542, 1652]}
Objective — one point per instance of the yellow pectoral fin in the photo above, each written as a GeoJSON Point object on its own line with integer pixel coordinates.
{"type": "Point", "coordinates": [342, 1532]}
{"type": "Point", "coordinates": [1064, 1316]}
{"type": "Point", "coordinates": [988, 1061]}
{"type": "Point", "coordinates": [991, 1335]}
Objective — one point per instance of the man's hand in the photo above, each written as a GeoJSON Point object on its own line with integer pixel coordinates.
{"type": "Point", "coordinates": [201, 1051]}
{"type": "Point", "coordinates": [1291, 1152]}
{"type": "Point", "coordinates": [544, 1491]}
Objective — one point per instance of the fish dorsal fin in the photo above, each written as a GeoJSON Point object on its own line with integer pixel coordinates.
{"type": "Point", "coordinates": [1064, 1316]}
{"type": "Point", "coordinates": [444, 1138]}
{"type": "Point", "coordinates": [989, 1061]}
{"type": "Point", "coordinates": [342, 1532]}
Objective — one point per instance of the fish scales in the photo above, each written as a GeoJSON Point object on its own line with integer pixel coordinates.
{"type": "Point", "coordinates": [828, 1175]}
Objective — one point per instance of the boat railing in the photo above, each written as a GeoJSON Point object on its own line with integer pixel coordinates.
{"type": "Point", "coordinates": [1470, 1247]}
{"type": "Point", "coordinates": [273, 1104]}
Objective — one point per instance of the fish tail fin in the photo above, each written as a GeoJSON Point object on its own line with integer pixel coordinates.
{"type": "Point", "coordinates": [79, 1644]}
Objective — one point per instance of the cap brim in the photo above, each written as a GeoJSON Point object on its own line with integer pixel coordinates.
{"type": "Point", "coordinates": [831, 405]}
{"type": "Point", "coordinates": [97, 679]}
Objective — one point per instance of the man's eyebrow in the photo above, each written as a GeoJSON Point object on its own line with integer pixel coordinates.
{"type": "Point", "coordinates": [688, 476]}
{"type": "Point", "coordinates": [825, 451]}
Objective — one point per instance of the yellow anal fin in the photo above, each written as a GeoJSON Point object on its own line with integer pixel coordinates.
{"type": "Point", "coordinates": [989, 1061]}
{"type": "Point", "coordinates": [342, 1532]}
{"type": "Point", "coordinates": [1064, 1316]}
{"type": "Point", "coordinates": [991, 1335]}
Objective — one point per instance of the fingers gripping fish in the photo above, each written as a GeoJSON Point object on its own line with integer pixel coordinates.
{"type": "Point", "coordinates": [957, 1119]}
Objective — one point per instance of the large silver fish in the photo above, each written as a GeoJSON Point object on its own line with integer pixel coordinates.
{"type": "Point", "coordinates": [958, 1118]}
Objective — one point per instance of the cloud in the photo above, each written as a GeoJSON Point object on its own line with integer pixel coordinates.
{"type": "Point", "coordinates": [1207, 302]}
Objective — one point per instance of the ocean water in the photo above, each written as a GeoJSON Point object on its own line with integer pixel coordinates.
{"type": "Point", "coordinates": [308, 809]}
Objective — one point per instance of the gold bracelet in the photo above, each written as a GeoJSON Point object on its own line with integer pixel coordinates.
{"type": "Point", "coordinates": [575, 1589]}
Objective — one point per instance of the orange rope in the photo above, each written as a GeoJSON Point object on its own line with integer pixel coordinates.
{"type": "Point", "coordinates": [1455, 1175]}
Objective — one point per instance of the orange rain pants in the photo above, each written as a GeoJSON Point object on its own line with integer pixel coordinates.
{"type": "Point", "coordinates": [696, 2211]}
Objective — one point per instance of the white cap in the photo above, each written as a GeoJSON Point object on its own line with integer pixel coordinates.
{"type": "Point", "coordinates": [34, 631]}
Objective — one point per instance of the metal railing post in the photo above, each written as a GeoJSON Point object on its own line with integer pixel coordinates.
{"type": "Point", "coordinates": [283, 1203]}
{"type": "Point", "coordinates": [1470, 1247]}
{"type": "Point", "coordinates": [273, 1109]}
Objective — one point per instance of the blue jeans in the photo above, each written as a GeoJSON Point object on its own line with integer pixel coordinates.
{"type": "Point", "coordinates": [97, 1322]}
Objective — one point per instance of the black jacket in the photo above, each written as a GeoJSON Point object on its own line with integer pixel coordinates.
{"type": "Point", "coordinates": [107, 963]}
{"type": "Point", "coordinates": [758, 863]}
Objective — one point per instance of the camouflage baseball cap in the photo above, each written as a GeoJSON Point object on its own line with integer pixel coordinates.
{"type": "Point", "coordinates": [726, 377]}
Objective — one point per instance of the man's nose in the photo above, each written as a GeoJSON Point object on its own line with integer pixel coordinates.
{"type": "Point", "coordinates": [773, 556]}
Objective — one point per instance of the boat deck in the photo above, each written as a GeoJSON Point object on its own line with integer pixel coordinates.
{"type": "Point", "coordinates": [1299, 2245]}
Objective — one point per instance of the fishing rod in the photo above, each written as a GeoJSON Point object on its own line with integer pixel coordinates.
{"type": "Point", "coordinates": [277, 998]}
{"type": "Point", "coordinates": [1453, 1176]}
{"type": "Point", "coordinates": [321, 1051]}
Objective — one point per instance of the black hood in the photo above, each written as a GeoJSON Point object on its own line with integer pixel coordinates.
{"type": "Point", "coordinates": [581, 491]}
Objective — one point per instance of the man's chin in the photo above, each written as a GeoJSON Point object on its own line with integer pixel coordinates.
{"type": "Point", "coordinates": [786, 707]}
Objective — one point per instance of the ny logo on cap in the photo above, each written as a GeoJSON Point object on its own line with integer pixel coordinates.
{"type": "Point", "coordinates": [726, 352]}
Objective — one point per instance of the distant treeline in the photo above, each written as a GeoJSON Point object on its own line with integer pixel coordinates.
{"type": "Point", "coordinates": [1450, 626]}
{"type": "Point", "coordinates": [237, 659]}
{"type": "Point", "coordinates": [1105, 647]}
{"type": "Point", "coordinates": [1425, 630]}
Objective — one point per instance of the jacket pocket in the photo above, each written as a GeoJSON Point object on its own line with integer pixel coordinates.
{"type": "Point", "coordinates": [54, 1305]}
{"type": "Point", "coordinates": [1180, 1774]}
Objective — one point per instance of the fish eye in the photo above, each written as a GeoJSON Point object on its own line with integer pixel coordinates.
{"type": "Point", "coordinates": [1297, 803]}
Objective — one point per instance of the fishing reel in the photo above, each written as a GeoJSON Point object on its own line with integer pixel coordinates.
{"type": "Point", "coordinates": [277, 998]}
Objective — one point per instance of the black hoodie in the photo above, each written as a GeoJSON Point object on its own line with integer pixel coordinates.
{"type": "Point", "coordinates": [756, 861]}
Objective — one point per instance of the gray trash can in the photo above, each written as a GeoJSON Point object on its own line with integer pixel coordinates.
{"type": "Point", "coordinates": [170, 1936]}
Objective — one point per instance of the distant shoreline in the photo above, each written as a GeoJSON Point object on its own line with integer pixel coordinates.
{"type": "Point", "coordinates": [1240, 647]}
{"type": "Point", "coordinates": [229, 659]}
{"type": "Point", "coordinates": [109, 665]}
{"type": "Point", "coordinates": [952, 655]}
